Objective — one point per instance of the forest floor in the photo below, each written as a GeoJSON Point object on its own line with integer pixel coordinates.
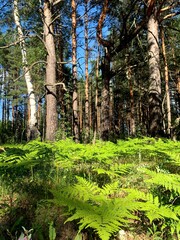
{"type": "Point", "coordinates": [124, 191]}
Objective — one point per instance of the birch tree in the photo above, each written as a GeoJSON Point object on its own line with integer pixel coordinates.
{"type": "Point", "coordinates": [32, 131]}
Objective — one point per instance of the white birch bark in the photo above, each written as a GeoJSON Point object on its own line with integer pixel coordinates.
{"type": "Point", "coordinates": [32, 102]}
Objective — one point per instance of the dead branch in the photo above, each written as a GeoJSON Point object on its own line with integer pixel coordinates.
{"type": "Point", "coordinates": [54, 85]}
{"type": "Point", "coordinates": [13, 44]}
{"type": "Point", "coordinates": [29, 68]}
{"type": "Point", "coordinates": [169, 16]}
{"type": "Point", "coordinates": [64, 62]}
{"type": "Point", "coordinates": [56, 2]}
{"type": "Point", "coordinates": [169, 7]}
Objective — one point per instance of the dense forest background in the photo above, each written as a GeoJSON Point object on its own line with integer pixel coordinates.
{"type": "Point", "coordinates": [89, 69]}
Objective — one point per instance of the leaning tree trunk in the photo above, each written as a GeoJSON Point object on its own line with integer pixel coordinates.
{"type": "Point", "coordinates": [155, 102]}
{"type": "Point", "coordinates": [32, 132]}
{"type": "Point", "coordinates": [74, 73]}
{"type": "Point", "coordinates": [51, 98]}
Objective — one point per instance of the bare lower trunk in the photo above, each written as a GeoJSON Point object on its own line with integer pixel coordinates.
{"type": "Point", "coordinates": [131, 94]}
{"type": "Point", "coordinates": [155, 102]}
{"type": "Point", "coordinates": [177, 81]}
{"type": "Point", "coordinates": [32, 120]}
{"type": "Point", "coordinates": [97, 103]}
{"type": "Point", "coordinates": [80, 100]}
{"type": "Point", "coordinates": [105, 105]}
{"type": "Point", "coordinates": [98, 112]}
{"type": "Point", "coordinates": [51, 98]}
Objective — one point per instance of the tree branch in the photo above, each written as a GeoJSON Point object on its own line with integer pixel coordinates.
{"type": "Point", "coordinates": [29, 68]}
{"type": "Point", "coordinates": [102, 17]}
{"type": "Point", "coordinates": [169, 16]}
{"type": "Point", "coordinates": [13, 44]}
{"type": "Point", "coordinates": [56, 2]}
{"type": "Point", "coordinates": [168, 7]}
{"type": "Point", "coordinates": [54, 85]}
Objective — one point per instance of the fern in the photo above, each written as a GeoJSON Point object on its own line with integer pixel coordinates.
{"type": "Point", "coordinates": [151, 206]}
{"type": "Point", "coordinates": [168, 181]}
{"type": "Point", "coordinates": [123, 166]}
{"type": "Point", "coordinates": [109, 173]}
{"type": "Point", "coordinates": [103, 209]}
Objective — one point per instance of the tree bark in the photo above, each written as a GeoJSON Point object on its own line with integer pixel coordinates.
{"type": "Point", "coordinates": [51, 98]}
{"type": "Point", "coordinates": [74, 73]}
{"type": "Point", "coordinates": [166, 77]}
{"type": "Point", "coordinates": [81, 112]}
{"type": "Point", "coordinates": [97, 102]}
{"type": "Point", "coordinates": [131, 94]}
{"type": "Point", "coordinates": [155, 101]}
{"type": "Point", "coordinates": [32, 132]}
{"type": "Point", "coordinates": [86, 74]}
{"type": "Point", "coordinates": [177, 80]}
{"type": "Point", "coordinates": [61, 79]}
{"type": "Point", "coordinates": [105, 105]}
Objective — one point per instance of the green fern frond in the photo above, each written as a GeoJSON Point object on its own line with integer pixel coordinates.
{"type": "Point", "coordinates": [174, 157]}
{"type": "Point", "coordinates": [168, 181]}
{"type": "Point", "coordinates": [151, 206]}
{"type": "Point", "coordinates": [161, 213]}
{"type": "Point", "coordinates": [85, 189]}
{"type": "Point", "coordinates": [103, 209]}
{"type": "Point", "coordinates": [105, 218]}
{"type": "Point", "coordinates": [122, 168]}
{"type": "Point", "coordinates": [110, 189]}
{"type": "Point", "coordinates": [177, 210]}
{"type": "Point", "coordinates": [109, 173]}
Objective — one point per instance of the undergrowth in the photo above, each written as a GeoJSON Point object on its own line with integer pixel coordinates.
{"type": "Point", "coordinates": [133, 185]}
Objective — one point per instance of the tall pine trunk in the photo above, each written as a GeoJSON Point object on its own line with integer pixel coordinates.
{"type": "Point", "coordinates": [105, 103]}
{"type": "Point", "coordinates": [155, 101]}
{"type": "Point", "coordinates": [51, 98]}
{"type": "Point", "coordinates": [131, 94]}
{"type": "Point", "coordinates": [177, 80]}
{"type": "Point", "coordinates": [32, 132]}
{"type": "Point", "coordinates": [97, 102]}
{"type": "Point", "coordinates": [74, 73]}
{"type": "Point", "coordinates": [86, 74]}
